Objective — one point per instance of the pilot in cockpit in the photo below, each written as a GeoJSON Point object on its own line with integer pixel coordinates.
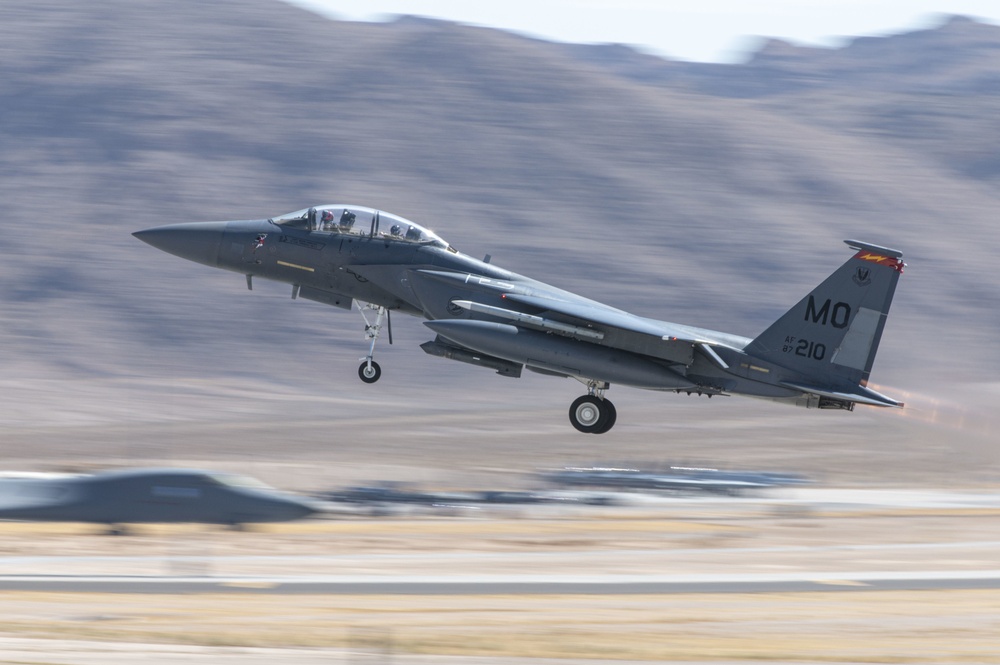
{"type": "Point", "coordinates": [327, 221]}
{"type": "Point", "coordinates": [346, 220]}
{"type": "Point", "coordinates": [396, 231]}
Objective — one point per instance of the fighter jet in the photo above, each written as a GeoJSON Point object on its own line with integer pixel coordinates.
{"type": "Point", "coordinates": [817, 355]}
{"type": "Point", "coordinates": [130, 496]}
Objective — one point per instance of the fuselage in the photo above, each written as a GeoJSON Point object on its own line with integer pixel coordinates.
{"type": "Point", "coordinates": [424, 276]}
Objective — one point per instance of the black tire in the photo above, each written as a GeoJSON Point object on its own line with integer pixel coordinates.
{"type": "Point", "coordinates": [588, 414]}
{"type": "Point", "coordinates": [369, 375]}
{"type": "Point", "coordinates": [611, 418]}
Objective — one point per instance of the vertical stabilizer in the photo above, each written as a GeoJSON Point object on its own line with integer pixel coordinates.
{"type": "Point", "coordinates": [831, 336]}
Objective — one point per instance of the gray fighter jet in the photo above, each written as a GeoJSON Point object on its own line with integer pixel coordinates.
{"type": "Point", "coordinates": [818, 355]}
{"type": "Point", "coordinates": [148, 496]}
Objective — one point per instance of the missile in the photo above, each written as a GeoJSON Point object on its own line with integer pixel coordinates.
{"type": "Point", "coordinates": [529, 319]}
{"type": "Point", "coordinates": [560, 355]}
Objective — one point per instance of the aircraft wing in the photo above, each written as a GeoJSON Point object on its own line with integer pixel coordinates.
{"type": "Point", "coordinates": [536, 306]}
{"type": "Point", "coordinates": [619, 329]}
{"type": "Point", "coordinates": [594, 313]}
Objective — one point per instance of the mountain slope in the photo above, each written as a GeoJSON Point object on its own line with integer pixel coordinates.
{"type": "Point", "coordinates": [716, 197]}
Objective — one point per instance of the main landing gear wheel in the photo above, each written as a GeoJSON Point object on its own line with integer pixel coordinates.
{"type": "Point", "coordinates": [592, 415]}
{"type": "Point", "coordinates": [369, 371]}
{"type": "Point", "coordinates": [612, 417]}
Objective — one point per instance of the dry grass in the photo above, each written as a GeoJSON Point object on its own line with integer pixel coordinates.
{"type": "Point", "coordinates": [885, 627]}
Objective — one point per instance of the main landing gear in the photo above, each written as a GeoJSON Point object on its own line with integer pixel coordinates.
{"type": "Point", "coordinates": [593, 413]}
{"type": "Point", "coordinates": [369, 371]}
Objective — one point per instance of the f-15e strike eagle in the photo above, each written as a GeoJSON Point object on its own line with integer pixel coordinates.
{"type": "Point", "coordinates": [819, 354]}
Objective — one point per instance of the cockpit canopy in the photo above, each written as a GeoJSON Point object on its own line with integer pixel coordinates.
{"type": "Point", "coordinates": [236, 480]}
{"type": "Point", "coordinates": [359, 221]}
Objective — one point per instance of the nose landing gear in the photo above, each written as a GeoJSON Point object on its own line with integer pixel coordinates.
{"type": "Point", "coordinates": [370, 371]}
{"type": "Point", "coordinates": [593, 413]}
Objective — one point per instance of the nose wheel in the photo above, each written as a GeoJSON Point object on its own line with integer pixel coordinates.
{"type": "Point", "coordinates": [593, 413]}
{"type": "Point", "coordinates": [370, 371]}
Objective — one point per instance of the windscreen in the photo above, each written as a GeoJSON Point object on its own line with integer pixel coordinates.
{"type": "Point", "coordinates": [360, 221]}
{"type": "Point", "coordinates": [235, 480]}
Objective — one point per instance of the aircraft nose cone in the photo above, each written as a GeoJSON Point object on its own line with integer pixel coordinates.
{"type": "Point", "coordinates": [294, 510]}
{"type": "Point", "coordinates": [194, 241]}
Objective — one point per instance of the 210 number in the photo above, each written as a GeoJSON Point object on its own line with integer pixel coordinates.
{"type": "Point", "coordinates": [808, 349]}
{"type": "Point", "coordinates": [805, 348]}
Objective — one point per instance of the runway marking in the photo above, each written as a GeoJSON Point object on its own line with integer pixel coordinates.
{"type": "Point", "coordinates": [528, 585]}
{"type": "Point", "coordinates": [249, 584]}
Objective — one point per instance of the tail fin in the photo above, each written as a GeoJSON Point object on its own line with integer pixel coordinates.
{"type": "Point", "coordinates": [831, 336]}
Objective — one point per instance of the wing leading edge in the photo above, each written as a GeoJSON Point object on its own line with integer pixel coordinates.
{"type": "Point", "coordinates": [662, 340]}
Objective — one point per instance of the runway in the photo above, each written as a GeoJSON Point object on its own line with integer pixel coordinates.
{"type": "Point", "coordinates": [856, 576]}
{"type": "Point", "coordinates": [847, 540]}
{"type": "Point", "coordinates": [509, 584]}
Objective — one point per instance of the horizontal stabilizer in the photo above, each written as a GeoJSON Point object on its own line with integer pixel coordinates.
{"type": "Point", "coordinates": [861, 395]}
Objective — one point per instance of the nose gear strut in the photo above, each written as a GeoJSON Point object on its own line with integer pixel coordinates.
{"type": "Point", "coordinates": [369, 371]}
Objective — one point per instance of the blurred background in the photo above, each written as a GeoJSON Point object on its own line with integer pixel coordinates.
{"type": "Point", "coordinates": [713, 191]}
{"type": "Point", "coordinates": [703, 193]}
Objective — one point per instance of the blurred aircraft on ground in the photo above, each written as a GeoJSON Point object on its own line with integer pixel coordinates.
{"type": "Point", "coordinates": [132, 496]}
